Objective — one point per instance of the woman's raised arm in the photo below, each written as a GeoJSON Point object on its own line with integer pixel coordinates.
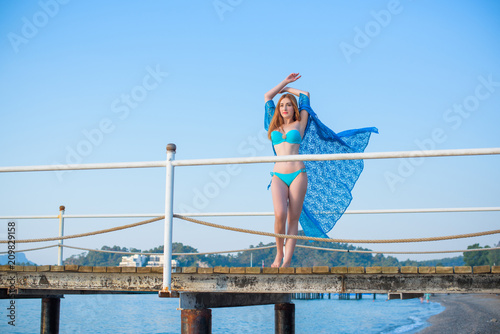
{"type": "Point", "coordinates": [294, 91]}
{"type": "Point", "coordinates": [276, 90]}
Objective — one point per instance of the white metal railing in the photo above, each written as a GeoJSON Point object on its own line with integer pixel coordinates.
{"type": "Point", "coordinates": [259, 214]}
{"type": "Point", "coordinates": [264, 159]}
{"type": "Point", "coordinates": [348, 212]}
{"type": "Point", "coordinates": [110, 165]}
{"type": "Point", "coordinates": [170, 163]}
{"type": "Point", "coordinates": [341, 156]}
{"type": "Point", "coordinates": [131, 215]}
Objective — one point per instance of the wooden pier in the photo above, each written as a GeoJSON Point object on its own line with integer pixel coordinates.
{"type": "Point", "coordinates": [201, 289]}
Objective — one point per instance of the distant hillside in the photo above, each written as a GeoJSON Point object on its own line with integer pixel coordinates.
{"type": "Point", "coordinates": [446, 262]}
{"type": "Point", "coordinates": [302, 257]}
{"type": "Point", "coordinates": [21, 260]}
{"type": "Point", "coordinates": [92, 258]}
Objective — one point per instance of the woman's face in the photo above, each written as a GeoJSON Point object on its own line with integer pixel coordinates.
{"type": "Point", "coordinates": [286, 108]}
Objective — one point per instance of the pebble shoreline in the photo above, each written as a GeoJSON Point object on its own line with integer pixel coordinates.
{"type": "Point", "coordinates": [466, 313]}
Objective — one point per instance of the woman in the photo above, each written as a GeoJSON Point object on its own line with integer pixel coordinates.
{"type": "Point", "coordinates": [316, 198]}
{"type": "Point", "coordinates": [289, 182]}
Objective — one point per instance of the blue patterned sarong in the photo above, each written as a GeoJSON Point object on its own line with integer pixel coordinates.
{"type": "Point", "coordinates": [329, 182]}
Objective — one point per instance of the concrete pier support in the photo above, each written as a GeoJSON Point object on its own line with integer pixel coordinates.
{"type": "Point", "coordinates": [400, 295]}
{"type": "Point", "coordinates": [284, 318]}
{"type": "Point", "coordinates": [196, 313]}
{"type": "Point", "coordinates": [49, 323]}
{"type": "Point", "coordinates": [196, 321]}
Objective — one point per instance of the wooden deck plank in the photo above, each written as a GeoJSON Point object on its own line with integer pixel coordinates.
{"type": "Point", "coordinates": [444, 270]}
{"type": "Point", "coordinates": [321, 270]}
{"type": "Point", "coordinates": [463, 270]}
{"type": "Point", "coordinates": [253, 270]}
{"type": "Point", "coordinates": [339, 270]}
{"type": "Point", "coordinates": [303, 270]}
{"type": "Point", "coordinates": [373, 270]}
{"type": "Point", "coordinates": [221, 270]}
{"type": "Point", "coordinates": [409, 270]}
{"type": "Point", "coordinates": [237, 270]}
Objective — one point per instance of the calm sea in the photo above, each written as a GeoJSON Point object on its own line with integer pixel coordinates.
{"type": "Point", "coordinates": [147, 313]}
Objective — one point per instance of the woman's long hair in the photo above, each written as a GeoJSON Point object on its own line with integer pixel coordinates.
{"type": "Point", "coordinates": [277, 121]}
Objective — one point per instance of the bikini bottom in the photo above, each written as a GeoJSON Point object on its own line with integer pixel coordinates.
{"type": "Point", "coordinates": [288, 177]}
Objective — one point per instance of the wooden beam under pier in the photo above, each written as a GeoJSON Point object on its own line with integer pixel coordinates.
{"type": "Point", "coordinates": [27, 281]}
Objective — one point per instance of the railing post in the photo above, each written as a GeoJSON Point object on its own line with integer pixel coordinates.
{"type": "Point", "coordinates": [61, 233]}
{"type": "Point", "coordinates": [169, 211]}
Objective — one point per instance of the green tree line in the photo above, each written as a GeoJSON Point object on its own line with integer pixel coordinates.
{"type": "Point", "coordinates": [303, 257]}
{"type": "Point", "coordinates": [486, 257]}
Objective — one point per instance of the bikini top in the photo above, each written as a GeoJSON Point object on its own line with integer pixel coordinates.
{"type": "Point", "coordinates": [292, 137]}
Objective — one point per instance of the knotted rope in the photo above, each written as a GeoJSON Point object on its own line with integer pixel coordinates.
{"type": "Point", "coordinates": [122, 227]}
{"type": "Point", "coordinates": [349, 241]}
{"type": "Point", "coordinates": [276, 235]}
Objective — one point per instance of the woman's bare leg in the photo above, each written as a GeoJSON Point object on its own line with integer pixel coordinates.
{"type": "Point", "coordinates": [279, 191]}
{"type": "Point", "coordinates": [296, 194]}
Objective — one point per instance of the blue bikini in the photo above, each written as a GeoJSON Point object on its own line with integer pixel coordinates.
{"type": "Point", "coordinates": [288, 177]}
{"type": "Point", "coordinates": [291, 137]}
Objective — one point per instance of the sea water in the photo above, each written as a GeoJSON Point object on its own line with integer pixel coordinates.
{"type": "Point", "coordinates": [147, 313]}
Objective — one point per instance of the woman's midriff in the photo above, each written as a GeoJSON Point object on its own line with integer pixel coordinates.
{"type": "Point", "coordinates": [288, 166]}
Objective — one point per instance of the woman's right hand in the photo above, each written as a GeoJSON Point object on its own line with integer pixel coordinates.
{"type": "Point", "coordinates": [281, 87]}
{"type": "Point", "coordinates": [292, 77]}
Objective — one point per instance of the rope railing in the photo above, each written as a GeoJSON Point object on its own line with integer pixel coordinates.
{"type": "Point", "coordinates": [79, 235]}
{"type": "Point", "coordinates": [266, 247]}
{"type": "Point", "coordinates": [299, 246]}
{"type": "Point", "coordinates": [351, 241]}
{"type": "Point", "coordinates": [236, 229]}
{"type": "Point", "coordinates": [401, 252]}
{"type": "Point", "coordinates": [31, 249]}
{"type": "Point", "coordinates": [176, 254]}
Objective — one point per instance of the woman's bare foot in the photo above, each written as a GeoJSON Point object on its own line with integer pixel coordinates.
{"type": "Point", "coordinates": [277, 261]}
{"type": "Point", "coordinates": [285, 264]}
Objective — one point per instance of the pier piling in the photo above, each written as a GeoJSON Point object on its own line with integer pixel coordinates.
{"type": "Point", "coordinates": [196, 321]}
{"type": "Point", "coordinates": [284, 318]}
{"type": "Point", "coordinates": [49, 323]}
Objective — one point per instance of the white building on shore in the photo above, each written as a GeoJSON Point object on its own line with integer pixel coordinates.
{"type": "Point", "coordinates": [157, 260]}
{"type": "Point", "coordinates": [135, 260]}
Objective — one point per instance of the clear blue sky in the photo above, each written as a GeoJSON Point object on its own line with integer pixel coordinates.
{"type": "Point", "coordinates": [115, 81]}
